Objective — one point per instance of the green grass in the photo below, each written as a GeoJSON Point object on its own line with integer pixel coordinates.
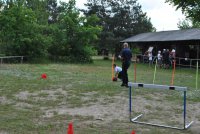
{"type": "Point", "coordinates": [25, 99]}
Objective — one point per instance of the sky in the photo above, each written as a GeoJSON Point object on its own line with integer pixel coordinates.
{"type": "Point", "coordinates": [163, 16]}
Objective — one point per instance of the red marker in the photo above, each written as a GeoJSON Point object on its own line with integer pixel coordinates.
{"type": "Point", "coordinates": [44, 76]}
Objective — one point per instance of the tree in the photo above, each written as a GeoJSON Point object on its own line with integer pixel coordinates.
{"type": "Point", "coordinates": [184, 24]}
{"type": "Point", "coordinates": [191, 8]}
{"type": "Point", "coordinates": [188, 23]}
{"type": "Point", "coordinates": [26, 30]}
{"type": "Point", "coordinates": [21, 34]}
{"type": "Point", "coordinates": [52, 8]}
{"type": "Point", "coordinates": [74, 34]}
{"type": "Point", "coordinates": [119, 19]}
{"type": "Point", "coordinates": [40, 8]}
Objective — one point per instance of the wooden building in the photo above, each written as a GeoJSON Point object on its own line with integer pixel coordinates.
{"type": "Point", "coordinates": [185, 42]}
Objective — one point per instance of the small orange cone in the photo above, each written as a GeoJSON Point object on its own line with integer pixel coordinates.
{"type": "Point", "coordinates": [133, 132]}
{"type": "Point", "coordinates": [70, 129]}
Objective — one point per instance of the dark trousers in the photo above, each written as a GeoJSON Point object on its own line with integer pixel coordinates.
{"type": "Point", "coordinates": [125, 66]}
{"type": "Point", "coordinates": [120, 75]}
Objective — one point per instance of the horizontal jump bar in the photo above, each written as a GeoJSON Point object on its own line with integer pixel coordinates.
{"type": "Point", "coordinates": [155, 86]}
{"type": "Point", "coordinates": [5, 57]}
{"type": "Point", "coordinates": [158, 125]}
{"type": "Point", "coordinates": [134, 120]}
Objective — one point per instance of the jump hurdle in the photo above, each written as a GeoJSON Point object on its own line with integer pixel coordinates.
{"type": "Point", "coordinates": [162, 87]}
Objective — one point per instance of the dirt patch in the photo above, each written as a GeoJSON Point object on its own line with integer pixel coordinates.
{"type": "Point", "coordinates": [5, 101]}
{"type": "Point", "coordinates": [43, 95]}
{"type": "Point", "coordinates": [50, 94]}
{"type": "Point", "coordinates": [108, 109]}
{"type": "Point", "coordinates": [98, 111]}
{"type": "Point", "coordinates": [24, 95]}
{"type": "Point", "coordinates": [23, 105]}
{"type": "Point", "coordinates": [155, 111]}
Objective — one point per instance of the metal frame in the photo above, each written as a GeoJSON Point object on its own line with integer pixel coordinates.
{"type": "Point", "coordinates": [163, 87]}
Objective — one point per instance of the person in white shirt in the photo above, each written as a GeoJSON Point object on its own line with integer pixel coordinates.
{"type": "Point", "coordinates": [118, 71]}
{"type": "Point", "coordinates": [150, 58]}
{"type": "Point", "coordinates": [159, 56]}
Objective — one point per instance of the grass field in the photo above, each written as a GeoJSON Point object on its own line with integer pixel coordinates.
{"type": "Point", "coordinates": [85, 95]}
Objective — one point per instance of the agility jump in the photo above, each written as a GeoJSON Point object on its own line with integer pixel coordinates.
{"type": "Point", "coordinates": [162, 87]}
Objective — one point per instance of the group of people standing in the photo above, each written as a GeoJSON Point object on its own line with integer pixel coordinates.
{"type": "Point", "coordinates": [125, 57]}
{"type": "Point", "coordinates": [165, 58]}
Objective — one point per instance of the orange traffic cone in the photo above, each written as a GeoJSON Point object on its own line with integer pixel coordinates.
{"type": "Point", "coordinates": [70, 129]}
{"type": "Point", "coordinates": [133, 132]}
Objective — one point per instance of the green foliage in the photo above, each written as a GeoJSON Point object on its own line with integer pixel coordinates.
{"type": "Point", "coordinates": [52, 8]}
{"type": "Point", "coordinates": [38, 29]}
{"type": "Point", "coordinates": [79, 33]}
{"type": "Point", "coordinates": [119, 20]}
{"type": "Point", "coordinates": [40, 8]}
{"type": "Point", "coordinates": [184, 24]}
{"type": "Point", "coordinates": [82, 55]}
{"type": "Point", "coordinates": [188, 23]}
{"type": "Point", "coordinates": [191, 8]}
{"type": "Point", "coordinates": [136, 50]}
{"type": "Point", "coordinates": [20, 33]}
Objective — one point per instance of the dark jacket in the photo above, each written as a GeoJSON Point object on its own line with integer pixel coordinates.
{"type": "Point", "coordinates": [126, 54]}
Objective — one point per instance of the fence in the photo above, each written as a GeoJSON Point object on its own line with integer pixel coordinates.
{"type": "Point", "coordinates": [15, 58]}
{"type": "Point", "coordinates": [181, 62]}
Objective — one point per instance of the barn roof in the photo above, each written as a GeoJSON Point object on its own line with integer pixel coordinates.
{"type": "Point", "coordinates": [164, 36]}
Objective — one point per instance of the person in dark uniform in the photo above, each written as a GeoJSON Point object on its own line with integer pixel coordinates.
{"type": "Point", "coordinates": [126, 56]}
{"type": "Point", "coordinates": [166, 58]}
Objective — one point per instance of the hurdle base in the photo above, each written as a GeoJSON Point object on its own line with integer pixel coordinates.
{"type": "Point", "coordinates": [134, 120]}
